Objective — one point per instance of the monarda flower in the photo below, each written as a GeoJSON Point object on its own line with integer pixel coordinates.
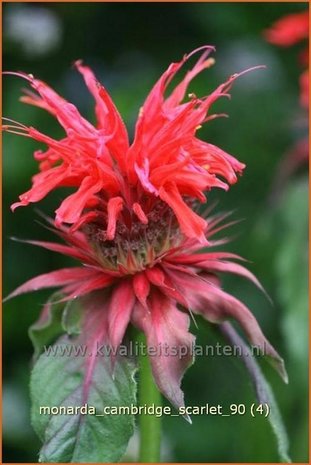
{"type": "Point", "coordinates": [145, 252]}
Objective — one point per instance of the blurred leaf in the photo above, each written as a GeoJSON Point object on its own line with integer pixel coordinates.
{"type": "Point", "coordinates": [83, 438]}
{"type": "Point", "coordinates": [292, 269]}
{"type": "Point", "coordinates": [15, 413]}
{"type": "Point", "coordinates": [265, 396]}
{"type": "Point", "coordinates": [263, 390]}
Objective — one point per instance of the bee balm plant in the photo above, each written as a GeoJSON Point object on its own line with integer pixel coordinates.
{"type": "Point", "coordinates": [145, 258]}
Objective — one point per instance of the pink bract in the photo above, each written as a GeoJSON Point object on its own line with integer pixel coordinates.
{"type": "Point", "coordinates": [154, 286]}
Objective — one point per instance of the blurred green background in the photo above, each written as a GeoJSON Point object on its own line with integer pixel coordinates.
{"type": "Point", "coordinates": [129, 46]}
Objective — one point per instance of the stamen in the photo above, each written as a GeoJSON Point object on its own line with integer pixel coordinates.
{"type": "Point", "coordinates": [210, 62]}
{"type": "Point", "coordinates": [17, 123]}
{"type": "Point", "coordinates": [28, 77]}
{"type": "Point", "coordinates": [7, 129]}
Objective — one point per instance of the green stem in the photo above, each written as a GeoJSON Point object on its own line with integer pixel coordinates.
{"type": "Point", "coordinates": [150, 425]}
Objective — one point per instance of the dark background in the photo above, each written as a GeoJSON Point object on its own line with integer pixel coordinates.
{"type": "Point", "coordinates": [129, 46]}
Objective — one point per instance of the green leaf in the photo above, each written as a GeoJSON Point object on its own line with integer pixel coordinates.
{"type": "Point", "coordinates": [265, 396]}
{"type": "Point", "coordinates": [263, 390]}
{"type": "Point", "coordinates": [292, 272]}
{"type": "Point", "coordinates": [57, 381]}
{"type": "Point", "coordinates": [49, 325]}
{"type": "Point", "coordinates": [56, 318]}
{"type": "Point", "coordinates": [72, 317]}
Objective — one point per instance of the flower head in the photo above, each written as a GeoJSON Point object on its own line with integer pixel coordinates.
{"type": "Point", "coordinates": [166, 162]}
{"type": "Point", "coordinates": [131, 221]}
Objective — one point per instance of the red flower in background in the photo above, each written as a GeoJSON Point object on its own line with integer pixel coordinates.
{"type": "Point", "coordinates": [288, 31]}
{"type": "Point", "coordinates": [131, 221]}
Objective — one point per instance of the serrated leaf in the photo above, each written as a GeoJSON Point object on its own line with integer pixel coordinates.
{"type": "Point", "coordinates": [57, 381]}
{"type": "Point", "coordinates": [263, 390]}
{"type": "Point", "coordinates": [49, 325]}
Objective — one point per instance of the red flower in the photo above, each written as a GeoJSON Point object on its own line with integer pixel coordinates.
{"type": "Point", "coordinates": [166, 160]}
{"type": "Point", "coordinates": [150, 276]}
{"type": "Point", "coordinates": [288, 31]}
{"type": "Point", "coordinates": [285, 32]}
{"type": "Point", "coordinates": [132, 223]}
